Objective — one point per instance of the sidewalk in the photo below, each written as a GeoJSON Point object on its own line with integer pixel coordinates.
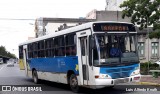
{"type": "Point", "coordinates": [149, 80]}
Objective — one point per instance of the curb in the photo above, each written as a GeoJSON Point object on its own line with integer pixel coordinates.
{"type": "Point", "coordinates": [148, 83]}
{"type": "Point", "coordinates": [146, 75]}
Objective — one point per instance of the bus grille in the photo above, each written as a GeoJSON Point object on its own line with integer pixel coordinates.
{"type": "Point", "coordinates": [120, 75]}
{"type": "Point", "coordinates": [112, 70]}
{"type": "Point", "coordinates": [119, 72]}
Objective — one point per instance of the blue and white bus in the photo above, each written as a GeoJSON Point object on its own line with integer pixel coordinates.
{"type": "Point", "coordinates": [84, 56]}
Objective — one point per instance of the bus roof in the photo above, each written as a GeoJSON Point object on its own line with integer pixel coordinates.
{"type": "Point", "coordinates": [69, 30]}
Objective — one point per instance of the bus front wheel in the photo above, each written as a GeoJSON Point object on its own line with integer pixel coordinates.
{"type": "Point", "coordinates": [35, 77]}
{"type": "Point", "coordinates": [73, 82]}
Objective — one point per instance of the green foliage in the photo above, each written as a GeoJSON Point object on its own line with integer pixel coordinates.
{"type": "Point", "coordinates": [144, 67]}
{"type": "Point", "coordinates": [3, 52]}
{"type": "Point", "coordinates": [142, 12]}
{"type": "Point", "coordinates": [155, 34]}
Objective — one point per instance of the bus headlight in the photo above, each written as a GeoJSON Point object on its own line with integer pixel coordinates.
{"type": "Point", "coordinates": [103, 76]}
{"type": "Point", "coordinates": [136, 72]}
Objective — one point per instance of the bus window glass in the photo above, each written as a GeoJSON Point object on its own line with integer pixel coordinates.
{"type": "Point", "coordinates": [20, 52]}
{"type": "Point", "coordinates": [48, 49]}
{"type": "Point", "coordinates": [56, 46]}
{"type": "Point", "coordinates": [70, 44]}
{"type": "Point", "coordinates": [35, 48]}
{"type": "Point", "coordinates": [61, 47]}
{"type": "Point", "coordinates": [83, 49]}
{"type": "Point", "coordinates": [95, 53]}
{"type": "Point", "coordinates": [118, 48]}
{"type": "Point", "coordinates": [30, 50]}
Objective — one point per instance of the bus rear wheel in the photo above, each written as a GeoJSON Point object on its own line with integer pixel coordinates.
{"type": "Point", "coordinates": [35, 77]}
{"type": "Point", "coordinates": [73, 82]}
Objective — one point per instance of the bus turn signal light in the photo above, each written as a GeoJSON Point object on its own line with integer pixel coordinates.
{"type": "Point", "coordinates": [96, 76]}
{"type": "Point", "coordinates": [136, 78]}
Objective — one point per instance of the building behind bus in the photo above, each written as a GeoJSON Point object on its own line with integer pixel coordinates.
{"type": "Point", "coordinates": [44, 26]}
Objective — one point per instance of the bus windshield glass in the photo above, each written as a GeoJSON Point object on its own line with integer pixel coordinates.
{"type": "Point", "coordinates": [115, 49]}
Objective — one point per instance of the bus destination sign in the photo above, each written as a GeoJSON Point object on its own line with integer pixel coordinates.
{"type": "Point", "coordinates": [113, 27]}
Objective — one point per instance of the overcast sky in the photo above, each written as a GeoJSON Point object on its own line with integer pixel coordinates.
{"type": "Point", "coordinates": [13, 32]}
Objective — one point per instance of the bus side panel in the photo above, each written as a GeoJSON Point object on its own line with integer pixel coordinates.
{"type": "Point", "coordinates": [21, 64]}
{"type": "Point", "coordinates": [55, 77]}
{"type": "Point", "coordinates": [55, 65]}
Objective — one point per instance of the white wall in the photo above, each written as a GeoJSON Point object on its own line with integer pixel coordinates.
{"type": "Point", "coordinates": [113, 5]}
{"type": "Point", "coordinates": [52, 27]}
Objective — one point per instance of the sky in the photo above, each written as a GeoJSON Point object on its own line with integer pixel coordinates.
{"type": "Point", "coordinates": [14, 32]}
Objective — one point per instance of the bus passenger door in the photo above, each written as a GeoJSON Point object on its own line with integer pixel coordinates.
{"type": "Point", "coordinates": [84, 60]}
{"type": "Point", "coordinates": [25, 58]}
{"type": "Point", "coordinates": [82, 53]}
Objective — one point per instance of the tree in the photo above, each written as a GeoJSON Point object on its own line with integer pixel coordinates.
{"type": "Point", "coordinates": [11, 55]}
{"type": "Point", "coordinates": [155, 34]}
{"type": "Point", "coordinates": [3, 52]}
{"type": "Point", "coordinates": [142, 12]}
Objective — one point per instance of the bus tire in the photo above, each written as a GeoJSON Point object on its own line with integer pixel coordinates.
{"type": "Point", "coordinates": [35, 77]}
{"type": "Point", "coordinates": [73, 82]}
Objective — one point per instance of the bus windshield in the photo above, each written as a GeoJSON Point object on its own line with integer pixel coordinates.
{"type": "Point", "coordinates": [115, 49]}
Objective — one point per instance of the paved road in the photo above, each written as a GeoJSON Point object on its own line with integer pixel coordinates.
{"type": "Point", "coordinates": [13, 76]}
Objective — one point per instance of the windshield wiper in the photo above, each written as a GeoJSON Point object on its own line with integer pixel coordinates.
{"type": "Point", "coordinates": [115, 64]}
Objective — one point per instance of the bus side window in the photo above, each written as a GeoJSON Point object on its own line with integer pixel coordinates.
{"type": "Point", "coordinates": [48, 49]}
{"type": "Point", "coordinates": [30, 50]}
{"type": "Point", "coordinates": [66, 44]}
{"type": "Point", "coordinates": [61, 46]}
{"type": "Point", "coordinates": [20, 52]}
{"type": "Point", "coordinates": [35, 48]}
{"type": "Point", "coordinates": [52, 47]}
{"type": "Point", "coordinates": [56, 46]}
{"type": "Point", "coordinates": [38, 49]}
{"type": "Point", "coordinates": [70, 45]}
{"type": "Point", "coordinates": [74, 50]}
{"type": "Point", "coordinates": [42, 51]}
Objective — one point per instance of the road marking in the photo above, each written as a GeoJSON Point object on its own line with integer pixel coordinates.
{"type": "Point", "coordinates": [2, 67]}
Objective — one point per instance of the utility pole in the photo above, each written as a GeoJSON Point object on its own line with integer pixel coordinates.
{"type": "Point", "coordinates": [148, 44]}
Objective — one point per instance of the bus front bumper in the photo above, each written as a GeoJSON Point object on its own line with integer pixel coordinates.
{"type": "Point", "coordinates": [100, 83]}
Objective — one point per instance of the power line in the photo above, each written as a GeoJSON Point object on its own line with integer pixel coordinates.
{"type": "Point", "coordinates": [16, 19]}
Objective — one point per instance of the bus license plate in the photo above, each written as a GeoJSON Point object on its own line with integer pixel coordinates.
{"type": "Point", "coordinates": [117, 81]}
